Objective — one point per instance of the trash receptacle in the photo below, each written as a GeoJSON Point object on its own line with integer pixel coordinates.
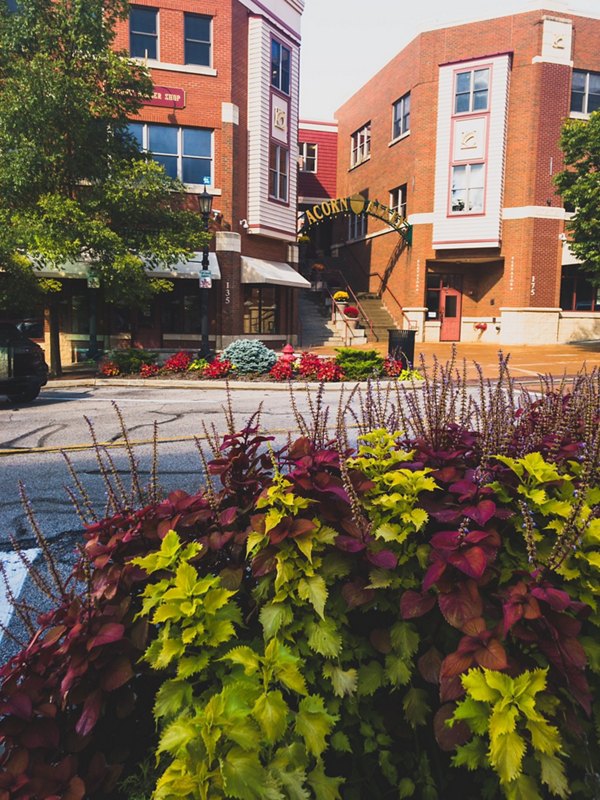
{"type": "Point", "coordinates": [401, 346]}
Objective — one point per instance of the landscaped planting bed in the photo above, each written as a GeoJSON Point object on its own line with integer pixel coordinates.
{"type": "Point", "coordinates": [404, 605]}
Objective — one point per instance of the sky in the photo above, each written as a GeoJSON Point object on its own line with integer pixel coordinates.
{"type": "Point", "coordinates": [345, 42]}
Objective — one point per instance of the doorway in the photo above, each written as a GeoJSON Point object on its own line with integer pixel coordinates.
{"type": "Point", "coordinates": [444, 303]}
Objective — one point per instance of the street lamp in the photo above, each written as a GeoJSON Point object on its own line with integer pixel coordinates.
{"type": "Point", "coordinates": [205, 200]}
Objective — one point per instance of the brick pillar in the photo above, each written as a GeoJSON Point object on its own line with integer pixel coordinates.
{"type": "Point", "coordinates": [228, 247]}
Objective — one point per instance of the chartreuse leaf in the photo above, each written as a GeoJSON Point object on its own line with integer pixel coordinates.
{"type": "Point", "coordinates": [273, 617]}
{"type": "Point", "coordinates": [406, 788]}
{"type": "Point", "coordinates": [415, 706]}
{"type": "Point", "coordinates": [544, 737]}
{"type": "Point", "coordinates": [522, 788]}
{"type": "Point", "coordinates": [592, 651]}
{"type": "Point", "coordinates": [344, 682]}
{"type": "Point", "coordinates": [324, 638]}
{"type": "Point", "coordinates": [340, 742]}
{"type": "Point", "coordinates": [471, 755]}
{"type": "Point", "coordinates": [370, 678]}
{"type": "Point", "coordinates": [245, 656]}
{"type": "Point", "coordinates": [405, 639]}
{"type": "Point", "coordinates": [271, 712]}
{"type": "Point", "coordinates": [313, 723]}
{"type": "Point", "coordinates": [553, 774]}
{"type": "Point", "coordinates": [314, 590]}
{"type": "Point", "coordinates": [506, 755]}
{"type": "Point", "coordinates": [397, 670]}
{"type": "Point", "coordinates": [474, 713]}
{"type": "Point", "coordinates": [324, 787]}
{"type": "Point", "coordinates": [177, 736]}
{"type": "Point", "coordinates": [243, 775]}
{"type": "Point", "coordinates": [171, 698]}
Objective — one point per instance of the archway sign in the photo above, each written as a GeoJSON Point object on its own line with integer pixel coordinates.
{"type": "Point", "coordinates": [357, 204]}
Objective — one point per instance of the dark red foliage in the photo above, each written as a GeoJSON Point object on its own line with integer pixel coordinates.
{"type": "Point", "coordinates": [217, 368]}
{"type": "Point", "coordinates": [178, 362]}
{"type": "Point", "coordinates": [282, 370]}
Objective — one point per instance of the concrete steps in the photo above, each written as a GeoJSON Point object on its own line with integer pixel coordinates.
{"type": "Point", "coordinates": [317, 328]}
{"type": "Point", "coordinates": [380, 318]}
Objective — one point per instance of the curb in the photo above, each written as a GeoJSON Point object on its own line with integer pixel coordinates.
{"type": "Point", "coordinates": [102, 383]}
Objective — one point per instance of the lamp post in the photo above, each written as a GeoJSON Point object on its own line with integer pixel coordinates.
{"type": "Point", "coordinates": [205, 202]}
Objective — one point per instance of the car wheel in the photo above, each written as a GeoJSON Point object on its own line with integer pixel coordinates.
{"type": "Point", "coordinates": [25, 396]}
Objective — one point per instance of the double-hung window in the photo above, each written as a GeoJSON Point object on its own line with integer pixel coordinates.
{"type": "Point", "coordinates": [185, 153]}
{"type": "Point", "coordinates": [197, 35]}
{"type": "Point", "coordinates": [401, 116]}
{"type": "Point", "coordinates": [143, 32]}
{"type": "Point", "coordinates": [467, 188]}
{"type": "Point", "coordinates": [398, 200]}
{"type": "Point", "coordinates": [471, 91]}
{"type": "Point", "coordinates": [280, 67]}
{"type": "Point", "coordinates": [308, 157]}
{"type": "Point", "coordinates": [278, 172]}
{"type": "Point", "coordinates": [360, 145]}
{"type": "Point", "coordinates": [357, 226]}
{"type": "Point", "coordinates": [585, 91]}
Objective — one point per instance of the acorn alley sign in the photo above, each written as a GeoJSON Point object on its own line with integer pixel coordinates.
{"type": "Point", "coordinates": [357, 204]}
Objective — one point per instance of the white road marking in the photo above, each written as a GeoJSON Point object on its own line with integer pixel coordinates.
{"type": "Point", "coordinates": [16, 574]}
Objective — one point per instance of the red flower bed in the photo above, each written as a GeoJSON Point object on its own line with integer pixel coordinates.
{"type": "Point", "coordinates": [282, 371]}
{"type": "Point", "coordinates": [218, 369]}
{"type": "Point", "coordinates": [179, 362]}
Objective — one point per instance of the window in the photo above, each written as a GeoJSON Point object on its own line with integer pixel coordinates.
{"type": "Point", "coordinates": [185, 153]}
{"type": "Point", "coordinates": [197, 39]}
{"type": "Point", "coordinates": [577, 292]}
{"type": "Point", "coordinates": [260, 309]}
{"type": "Point", "coordinates": [308, 157]}
{"type": "Point", "coordinates": [361, 145]}
{"type": "Point", "coordinates": [467, 188]}
{"type": "Point", "coordinates": [472, 90]}
{"type": "Point", "coordinates": [401, 116]}
{"type": "Point", "coordinates": [143, 32]}
{"type": "Point", "coordinates": [435, 283]}
{"type": "Point", "coordinates": [357, 226]}
{"type": "Point", "coordinates": [398, 200]}
{"type": "Point", "coordinates": [585, 91]}
{"type": "Point", "coordinates": [278, 172]}
{"type": "Point", "coordinates": [280, 67]}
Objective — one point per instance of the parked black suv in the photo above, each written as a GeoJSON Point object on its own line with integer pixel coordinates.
{"type": "Point", "coordinates": [23, 370]}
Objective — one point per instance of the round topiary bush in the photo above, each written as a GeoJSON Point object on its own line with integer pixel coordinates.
{"type": "Point", "coordinates": [249, 355]}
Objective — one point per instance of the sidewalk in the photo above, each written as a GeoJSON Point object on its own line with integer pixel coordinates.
{"type": "Point", "coordinates": [526, 362]}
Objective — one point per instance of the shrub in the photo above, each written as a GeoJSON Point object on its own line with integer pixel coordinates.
{"type": "Point", "coordinates": [130, 359]}
{"type": "Point", "coordinates": [179, 362]}
{"type": "Point", "coordinates": [412, 617]}
{"type": "Point", "coordinates": [351, 312]}
{"type": "Point", "coordinates": [108, 368]}
{"type": "Point", "coordinates": [359, 365]}
{"type": "Point", "coordinates": [198, 365]}
{"type": "Point", "coordinates": [218, 368]}
{"type": "Point", "coordinates": [308, 366]}
{"type": "Point", "coordinates": [149, 370]}
{"type": "Point", "coordinates": [250, 356]}
{"type": "Point", "coordinates": [282, 370]}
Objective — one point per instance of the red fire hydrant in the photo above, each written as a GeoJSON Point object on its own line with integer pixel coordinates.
{"type": "Point", "coordinates": [288, 353]}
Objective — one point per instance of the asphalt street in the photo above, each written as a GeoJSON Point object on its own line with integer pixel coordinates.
{"type": "Point", "coordinates": [33, 436]}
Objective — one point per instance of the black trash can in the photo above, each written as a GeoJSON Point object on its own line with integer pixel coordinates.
{"type": "Point", "coordinates": [401, 346]}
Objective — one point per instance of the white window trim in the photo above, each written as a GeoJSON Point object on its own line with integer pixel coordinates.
{"type": "Point", "coordinates": [278, 87]}
{"type": "Point", "coordinates": [193, 69]}
{"type": "Point", "coordinates": [192, 187]}
{"type": "Point", "coordinates": [586, 94]}
{"type": "Point", "coordinates": [402, 133]}
{"type": "Point", "coordinates": [303, 156]}
{"type": "Point", "coordinates": [147, 8]}
{"type": "Point", "coordinates": [471, 110]}
{"type": "Point", "coordinates": [468, 211]}
{"type": "Point", "coordinates": [357, 227]}
{"type": "Point", "coordinates": [360, 149]}
{"type": "Point", "coordinates": [404, 188]}
{"type": "Point", "coordinates": [210, 41]}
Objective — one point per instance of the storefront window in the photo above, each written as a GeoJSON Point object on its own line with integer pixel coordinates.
{"type": "Point", "coordinates": [577, 293]}
{"type": "Point", "coordinates": [181, 314]}
{"type": "Point", "coordinates": [260, 309]}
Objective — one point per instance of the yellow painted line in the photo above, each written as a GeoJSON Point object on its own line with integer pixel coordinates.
{"type": "Point", "coordinates": [70, 448]}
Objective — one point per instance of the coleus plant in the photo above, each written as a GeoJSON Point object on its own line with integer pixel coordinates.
{"type": "Point", "coordinates": [416, 618]}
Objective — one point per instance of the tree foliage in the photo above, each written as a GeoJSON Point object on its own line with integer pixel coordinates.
{"type": "Point", "coordinates": [73, 184]}
{"type": "Point", "coordinates": [579, 186]}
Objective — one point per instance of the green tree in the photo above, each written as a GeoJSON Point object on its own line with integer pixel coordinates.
{"type": "Point", "coordinates": [579, 186]}
{"type": "Point", "coordinates": [73, 184]}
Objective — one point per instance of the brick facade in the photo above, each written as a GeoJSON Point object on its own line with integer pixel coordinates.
{"type": "Point", "coordinates": [517, 134]}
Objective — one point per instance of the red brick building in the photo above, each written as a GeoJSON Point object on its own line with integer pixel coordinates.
{"type": "Point", "coordinates": [317, 176]}
{"type": "Point", "coordinates": [459, 133]}
{"type": "Point", "coordinates": [224, 116]}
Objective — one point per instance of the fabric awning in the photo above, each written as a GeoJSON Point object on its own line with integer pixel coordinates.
{"type": "Point", "coordinates": [256, 270]}
{"type": "Point", "coordinates": [182, 269]}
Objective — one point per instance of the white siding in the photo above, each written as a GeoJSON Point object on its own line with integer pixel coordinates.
{"type": "Point", "coordinates": [483, 230]}
{"type": "Point", "coordinates": [264, 215]}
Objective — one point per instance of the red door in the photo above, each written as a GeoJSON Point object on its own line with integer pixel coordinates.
{"type": "Point", "coordinates": [450, 309]}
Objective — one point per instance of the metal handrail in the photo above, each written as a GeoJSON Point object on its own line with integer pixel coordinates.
{"type": "Point", "coordinates": [348, 337]}
{"type": "Point", "coordinates": [363, 314]}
